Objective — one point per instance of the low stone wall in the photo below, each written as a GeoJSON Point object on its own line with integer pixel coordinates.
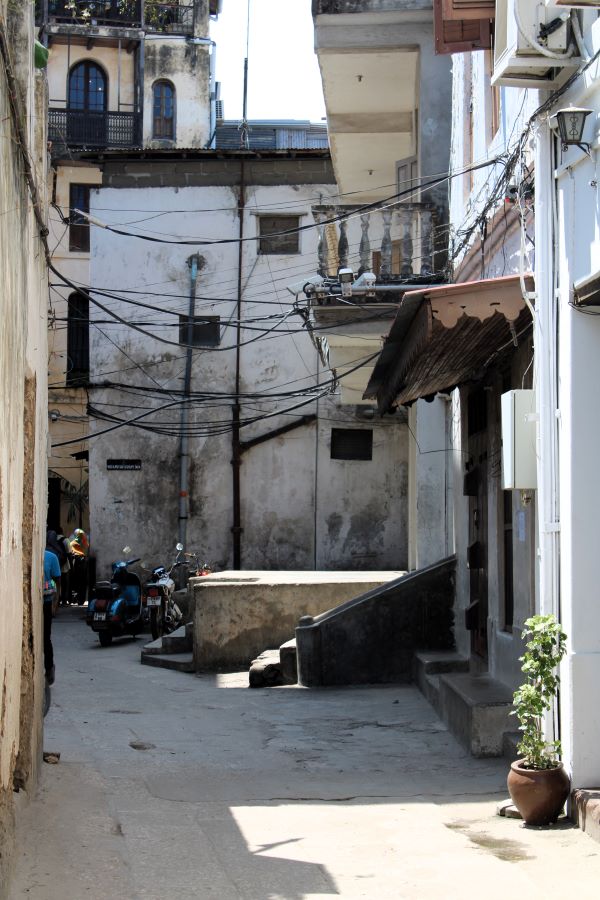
{"type": "Point", "coordinates": [237, 615]}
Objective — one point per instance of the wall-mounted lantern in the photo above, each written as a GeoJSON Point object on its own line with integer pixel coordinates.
{"type": "Point", "coordinates": [571, 122]}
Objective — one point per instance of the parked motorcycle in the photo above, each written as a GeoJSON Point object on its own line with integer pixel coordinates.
{"type": "Point", "coordinates": [115, 608]}
{"type": "Point", "coordinates": [165, 616]}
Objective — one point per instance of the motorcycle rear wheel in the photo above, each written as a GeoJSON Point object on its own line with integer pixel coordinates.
{"type": "Point", "coordinates": [157, 622]}
{"type": "Point", "coordinates": [105, 638]}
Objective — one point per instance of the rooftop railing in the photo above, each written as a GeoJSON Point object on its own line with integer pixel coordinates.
{"type": "Point", "coordinates": [151, 15]}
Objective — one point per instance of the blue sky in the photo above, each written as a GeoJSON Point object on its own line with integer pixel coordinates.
{"type": "Point", "coordinates": [283, 73]}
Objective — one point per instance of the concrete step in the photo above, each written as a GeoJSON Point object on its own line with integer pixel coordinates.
{"type": "Point", "coordinates": [427, 667]}
{"type": "Point", "coordinates": [179, 641]}
{"type": "Point", "coordinates": [289, 662]}
{"type": "Point", "coordinates": [181, 662]}
{"type": "Point", "coordinates": [265, 670]}
{"type": "Point", "coordinates": [476, 709]}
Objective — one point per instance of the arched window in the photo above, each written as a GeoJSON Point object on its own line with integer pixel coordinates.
{"type": "Point", "coordinates": [163, 110]}
{"type": "Point", "coordinates": [87, 88]}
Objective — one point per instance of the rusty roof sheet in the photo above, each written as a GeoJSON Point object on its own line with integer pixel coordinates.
{"type": "Point", "coordinates": [444, 336]}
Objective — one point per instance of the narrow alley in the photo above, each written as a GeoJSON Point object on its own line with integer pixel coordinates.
{"type": "Point", "coordinates": [171, 785]}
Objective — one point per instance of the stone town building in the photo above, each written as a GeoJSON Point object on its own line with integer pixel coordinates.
{"type": "Point", "coordinates": [282, 481]}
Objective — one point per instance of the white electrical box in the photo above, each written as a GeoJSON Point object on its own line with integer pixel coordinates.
{"type": "Point", "coordinates": [519, 439]}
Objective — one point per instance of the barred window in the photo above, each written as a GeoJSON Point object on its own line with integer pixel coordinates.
{"type": "Point", "coordinates": [78, 340]}
{"type": "Point", "coordinates": [79, 226]}
{"type": "Point", "coordinates": [273, 238]}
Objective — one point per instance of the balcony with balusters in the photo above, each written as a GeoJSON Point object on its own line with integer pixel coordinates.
{"type": "Point", "coordinates": [153, 16]}
{"type": "Point", "coordinates": [401, 245]}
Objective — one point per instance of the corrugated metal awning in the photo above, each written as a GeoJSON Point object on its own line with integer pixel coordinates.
{"type": "Point", "coordinates": [444, 336]}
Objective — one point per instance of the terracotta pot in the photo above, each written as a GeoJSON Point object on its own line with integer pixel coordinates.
{"type": "Point", "coordinates": [538, 794]}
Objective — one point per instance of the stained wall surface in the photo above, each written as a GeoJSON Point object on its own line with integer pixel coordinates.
{"type": "Point", "coordinates": [300, 509]}
{"type": "Point", "coordinates": [23, 435]}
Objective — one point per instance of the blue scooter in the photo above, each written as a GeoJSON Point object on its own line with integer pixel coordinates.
{"type": "Point", "coordinates": [116, 608]}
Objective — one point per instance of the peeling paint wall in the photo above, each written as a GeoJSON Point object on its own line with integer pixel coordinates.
{"type": "Point", "coordinates": [23, 352]}
{"type": "Point", "coordinates": [300, 508]}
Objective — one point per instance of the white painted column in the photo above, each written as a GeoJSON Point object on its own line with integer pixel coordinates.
{"type": "Point", "coordinates": [579, 367]}
{"type": "Point", "coordinates": [427, 483]}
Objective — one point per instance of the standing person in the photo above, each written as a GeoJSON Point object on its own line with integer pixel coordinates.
{"type": "Point", "coordinates": [58, 544]}
{"type": "Point", "coordinates": [80, 547]}
{"type": "Point", "coordinates": [51, 585]}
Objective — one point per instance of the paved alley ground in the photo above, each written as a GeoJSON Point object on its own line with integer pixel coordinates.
{"type": "Point", "coordinates": [177, 787]}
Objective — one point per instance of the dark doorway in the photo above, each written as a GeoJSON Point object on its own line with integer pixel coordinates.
{"type": "Point", "coordinates": [476, 488]}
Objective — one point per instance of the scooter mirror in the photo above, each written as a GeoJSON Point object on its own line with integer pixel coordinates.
{"type": "Point", "coordinates": [127, 550]}
{"type": "Point", "coordinates": [179, 547]}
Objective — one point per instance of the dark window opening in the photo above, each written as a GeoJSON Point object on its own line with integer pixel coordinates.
{"type": "Point", "coordinates": [271, 238]}
{"type": "Point", "coordinates": [87, 88]}
{"type": "Point", "coordinates": [78, 340]}
{"type": "Point", "coordinates": [163, 111]}
{"type": "Point", "coordinates": [352, 443]}
{"type": "Point", "coordinates": [204, 331]}
{"type": "Point", "coordinates": [79, 226]}
{"type": "Point", "coordinates": [509, 594]}
{"type": "Point", "coordinates": [477, 411]}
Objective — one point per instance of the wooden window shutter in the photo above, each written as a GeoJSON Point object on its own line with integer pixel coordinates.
{"type": "Point", "coordinates": [462, 25]}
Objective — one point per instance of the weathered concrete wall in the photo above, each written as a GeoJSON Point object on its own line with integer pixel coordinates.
{"type": "Point", "coordinates": [237, 615]}
{"type": "Point", "coordinates": [186, 66]}
{"type": "Point", "coordinates": [23, 436]}
{"type": "Point", "coordinates": [300, 509]}
{"type": "Point", "coordinates": [67, 404]}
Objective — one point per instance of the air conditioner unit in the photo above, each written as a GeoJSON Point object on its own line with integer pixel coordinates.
{"type": "Point", "coordinates": [522, 29]}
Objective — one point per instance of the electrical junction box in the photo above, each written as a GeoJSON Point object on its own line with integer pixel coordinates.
{"type": "Point", "coordinates": [519, 26]}
{"type": "Point", "coordinates": [519, 440]}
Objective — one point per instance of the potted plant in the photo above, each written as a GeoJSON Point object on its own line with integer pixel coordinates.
{"type": "Point", "coordinates": [537, 782]}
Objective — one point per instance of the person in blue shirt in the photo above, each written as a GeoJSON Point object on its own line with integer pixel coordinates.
{"type": "Point", "coordinates": [51, 585]}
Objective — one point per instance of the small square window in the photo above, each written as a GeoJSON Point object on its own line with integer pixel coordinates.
{"type": "Point", "coordinates": [79, 227]}
{"type": "Point", "coordinates": [352, 443]}
{"type": "Point", "coordinates": [206, 331]}
{"type": "Point", "coordinates": [273, 237]}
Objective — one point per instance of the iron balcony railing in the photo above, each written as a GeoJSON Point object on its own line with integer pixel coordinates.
{"type": "Point", "coordinates": [152, 15]}
{"type": "Point", "coordinates": [397, 243]}
{"type": "Point", "coordinates": [94, 130]}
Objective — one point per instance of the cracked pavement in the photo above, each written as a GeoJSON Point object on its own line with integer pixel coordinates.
{"type": "Point", "coordinates": [172, 785]}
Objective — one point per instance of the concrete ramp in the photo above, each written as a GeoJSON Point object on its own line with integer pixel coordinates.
{"type": "Point", "coordinates": [372, 638]}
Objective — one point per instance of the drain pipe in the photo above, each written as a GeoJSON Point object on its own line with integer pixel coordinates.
{"type": "Point", "coordinates": [184, 452]}
{"type": "Point", "coordinates": [236, 449]}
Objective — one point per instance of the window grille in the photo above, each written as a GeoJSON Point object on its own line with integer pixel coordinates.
{"type": "Point", "coordinates": [272, 240]}
{"type": "Point", "coordinates": [79, 226]}
{"type": "Point", "coordinates": [78, 340]}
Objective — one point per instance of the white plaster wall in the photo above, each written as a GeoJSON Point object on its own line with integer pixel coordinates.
{"type": "Point", "coordinates": [280, 478]}
{"type": "Point", "coordinates": [579, 432]}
